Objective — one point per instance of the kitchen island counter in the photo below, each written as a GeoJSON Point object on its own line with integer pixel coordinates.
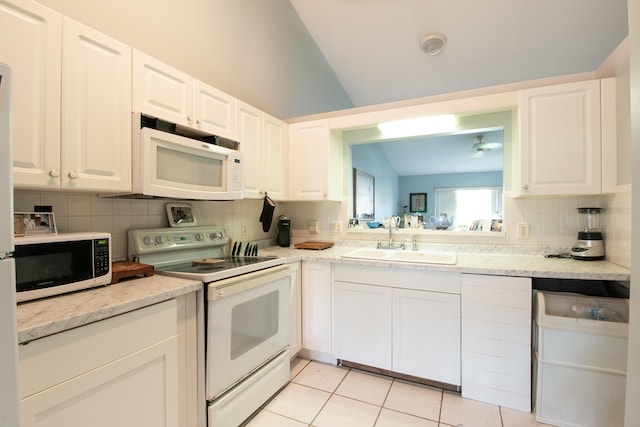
{"type": "Point", "coordinates": [40, 318]}
{"type": "Point", "coordinates": [490, 260]}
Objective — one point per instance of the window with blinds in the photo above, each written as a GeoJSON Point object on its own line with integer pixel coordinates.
{"type": "Point", "coordinates": [468, 205]}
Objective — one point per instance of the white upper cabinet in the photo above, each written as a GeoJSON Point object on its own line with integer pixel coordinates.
{"type": "Point", "coordinates": [263, 143]}
{"type": "Point", "coordinates": [315, 162]}
{"type": "Point", "coordinates": [213, 110]}
{"type": "Point", "coordinates": [71, 101]}
{"type": "Point", "coordinates": [31, 45]}
{"type": "Point", "coordinates": [249, 134]}
{"type": "Point", "coordinates": [560, 140]}
{"type": "Point", "coordinates": [169, 94]}
{"type": "Point", "coordinates": [96, 119]}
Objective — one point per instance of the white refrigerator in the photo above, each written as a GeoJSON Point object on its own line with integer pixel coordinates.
{"type": "Point", "coordinates": [9, 411]}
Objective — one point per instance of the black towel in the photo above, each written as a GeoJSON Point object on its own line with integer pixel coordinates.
{"type": "Point", "coordinates": [267, 213]}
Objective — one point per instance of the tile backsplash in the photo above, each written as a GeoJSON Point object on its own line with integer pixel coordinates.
{"type": "Point", "coordinates": [553, 221]}
{"type": "Point", "coordinates": [88, 212]}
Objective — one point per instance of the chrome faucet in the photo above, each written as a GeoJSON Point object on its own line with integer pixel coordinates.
{"type": "Point", "coordinates": [414, 243]}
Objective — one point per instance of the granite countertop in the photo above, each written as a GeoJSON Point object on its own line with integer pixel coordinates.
{"type": "Point", "coordinates": [490, 260]}
{"type": "Point", "coordinates": [39, 318]}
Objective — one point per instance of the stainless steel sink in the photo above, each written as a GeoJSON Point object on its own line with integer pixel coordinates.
{"type": "Point", "coordinates": [422, 257]}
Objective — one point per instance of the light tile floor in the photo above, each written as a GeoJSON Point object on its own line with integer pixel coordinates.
{"type": "Point", "coordinates": [321, 395]}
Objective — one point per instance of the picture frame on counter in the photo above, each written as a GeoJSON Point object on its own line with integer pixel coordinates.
{"type": "Point", "coordinates": [34, 223]}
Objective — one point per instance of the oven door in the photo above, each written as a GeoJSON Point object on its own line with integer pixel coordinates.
{"type": "Point", "coordinates": [247, 325]}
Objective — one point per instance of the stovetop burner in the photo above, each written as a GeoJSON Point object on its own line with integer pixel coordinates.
{"type": "Point", "coordinates": [224, 264]}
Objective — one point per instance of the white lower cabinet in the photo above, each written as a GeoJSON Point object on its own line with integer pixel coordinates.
{"type": "Point", "coordinates": [363, 317]}
{"type": "Point", "coordinates": [496, 340]}
{"type": "Point", "coordinates": [426, 335]}
{"type": "Point", "coordinates": [405, 321]}
{"type": "Point", "coordinates": [295, 321]}
{"type": "Point", "coordinates": [316, 311]}
{"type": "Point", "coordinates": [122, 371]}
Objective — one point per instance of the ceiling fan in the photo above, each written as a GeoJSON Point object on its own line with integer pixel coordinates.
{"type": "Point", "coordinates": [481, 146]}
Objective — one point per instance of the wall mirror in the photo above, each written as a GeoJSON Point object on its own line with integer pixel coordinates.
{"type": "Point", "coordinates": [456, 170]}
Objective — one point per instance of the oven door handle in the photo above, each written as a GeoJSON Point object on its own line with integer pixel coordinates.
{"type": "Point", "coordinates": [234, 285]}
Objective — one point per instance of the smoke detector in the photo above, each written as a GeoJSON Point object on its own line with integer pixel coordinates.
{"type": "Point", "coordinates": [433, 44]}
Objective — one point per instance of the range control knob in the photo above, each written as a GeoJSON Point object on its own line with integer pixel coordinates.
{"type": "Point", "coordinates": [159, 240]}
{"type": "Point", "coordinates": [147, 240]}
{"type": "Point", "coordinates": [216, 235]}
{"type": "Point", "coordinates": [199, 237]}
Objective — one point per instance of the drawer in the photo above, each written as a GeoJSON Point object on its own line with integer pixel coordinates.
{"type": "Point", "coordinates": [51, 360]}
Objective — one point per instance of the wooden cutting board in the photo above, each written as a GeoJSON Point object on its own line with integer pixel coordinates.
{"type": "Point", "coordinates": [125, 269]}
{"type": "Point", "coordinates": [318, 246]}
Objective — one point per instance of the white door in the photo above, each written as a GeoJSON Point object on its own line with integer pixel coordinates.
{"type": "Point", "coordinates": [96, 99]}
{"type": "Point", "coordinates": [139, 390]}
{"type": "Point", "coordinates": [309, 160]}
{"type": "Point", "coordinates": [247, 325]}
{"type": "Point", "coordinates": [249, 124]}
{"type": "Point", "coordinates": [275, 166]}
{"type": "Point", "coordinates": [31, 44]}
{"type": "Point", "coordinates": [161, 91]}
{"type": "Point", "coordinates": [363, 322]}
{"type": "Point", "coordinates": [316, 307]}
{"type": "Point", "coordinates": [9, 414]}
{"type": "Point", "coordinates": [560, 139]}
{"type": "Point", "coordinates": [213, 110]}
{"type": "Point", "coordinates": [426, 335]}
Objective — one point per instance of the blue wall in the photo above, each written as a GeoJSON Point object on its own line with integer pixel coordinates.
{"type": "Point", "coordinates": [369, 158]}
{"type": "Point", "coordinates": [428, 184]}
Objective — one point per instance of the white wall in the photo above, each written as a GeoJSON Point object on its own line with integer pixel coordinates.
{"type": "Point", "coordinates": [257, 51]}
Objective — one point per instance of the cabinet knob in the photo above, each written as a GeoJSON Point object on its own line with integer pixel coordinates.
{"type": "Point", "coordinates": [525, 186]}
{"type": "Point", "coordinates": [54, 173]}
{"type": "Point", "coordinates": [189, 119]}
{"type": "Point", "coordinates": [198, 122]}
{"type": "Point", "coordinates": [73, 175]}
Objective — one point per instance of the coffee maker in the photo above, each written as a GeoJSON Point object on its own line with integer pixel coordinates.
{"type": "Point", "coordinates": [590, 245]}
{"type": "Point", "coordinates": [283, 231]}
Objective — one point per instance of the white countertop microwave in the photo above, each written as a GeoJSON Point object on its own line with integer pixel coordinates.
{"type": "Point", "coordinates": [175, 162]}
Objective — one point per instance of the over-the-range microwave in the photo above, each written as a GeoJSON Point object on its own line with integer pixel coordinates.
{"type": "Point", "coordinates": [52, 264]}
{"type": "Point", "coordinates": [175, 162]}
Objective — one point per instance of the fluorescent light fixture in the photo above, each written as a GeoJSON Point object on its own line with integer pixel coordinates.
{"type": "Point", "coordinates": [419, 126]}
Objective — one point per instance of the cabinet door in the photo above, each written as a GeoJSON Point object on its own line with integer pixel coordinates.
{"type": "Point", "coordinates": [316, 307]}
{"type": "Point", "coordinates": [496, 340]}
{"type": "Point", "coordinates": [309, 161]}
{"type": "Point", "coordinates": [426, 335]}
{"type": "Point", "coordinates": [295, 321]}
{"type": "Point", "coordinates": [31, 45]}
{"type": "Point", "coordinates": [96, 98]}
{"type": "Point", "coordinates": [560, 139]}
{"type": "Point", "coordinates": [161, 90]}
{"type": "Point", "coordinates": [137, 390]}
{"type": "Point", "coordinates": [362, 329]}
{"type": "Point", "coordinates": [213, 110]}
{"type": "Point", "coordinates": [249, 132]}
{"type": "Point", "coordinates": [275, 166]}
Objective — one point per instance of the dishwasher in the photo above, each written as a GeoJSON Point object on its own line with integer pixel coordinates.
{"type": "Point", "coordinates": [580, 359]}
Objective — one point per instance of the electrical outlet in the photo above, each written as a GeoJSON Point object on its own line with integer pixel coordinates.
{"type": "Point", "coordinates": [523, 231]}
{"type": "Point", "coordinates": [313, 227]}
{"type": "Point", "coordinates": [336, 226]}
{"type": "Point", "coordinates": [243, 229]}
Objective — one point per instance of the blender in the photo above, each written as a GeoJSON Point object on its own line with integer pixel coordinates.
{"type": "Point", "coordinates": [590, 245]}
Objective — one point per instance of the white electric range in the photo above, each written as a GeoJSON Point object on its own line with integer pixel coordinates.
{"type": "Point", "coordinates": [247, 314]}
